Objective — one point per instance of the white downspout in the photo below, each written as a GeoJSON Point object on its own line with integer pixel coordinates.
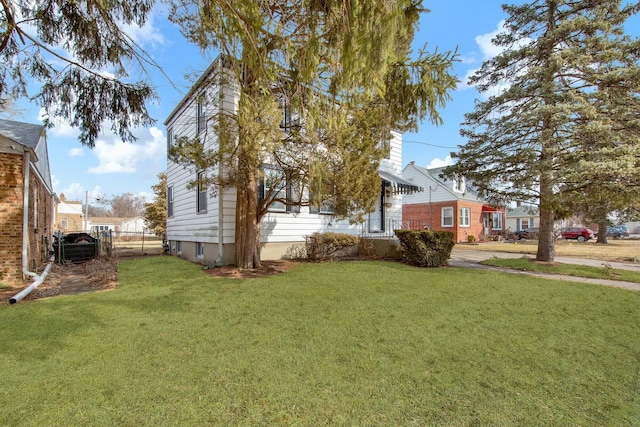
{"type": "Point", "coordinates": [220, 224]}
{"type": "Point", "coordinates": [38, 279]}
{"type": "Point", "coordinates": [37, 282]}
{"type": "Point", "coordinates": [25, 217]}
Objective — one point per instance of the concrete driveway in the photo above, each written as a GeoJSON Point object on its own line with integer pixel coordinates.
{"type": "Point", "coordinates": [470, 258]}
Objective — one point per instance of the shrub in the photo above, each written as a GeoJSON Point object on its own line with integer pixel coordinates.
{"type": "Point", "coordinates": [323, 246]}
{"type": "Point", "coordinates": [471, 238]}
{"type": "Point", "coordinates": [426, 248]}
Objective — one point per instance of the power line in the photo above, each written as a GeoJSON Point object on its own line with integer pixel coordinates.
{"type": "Point", "coordinates": [430, 145]}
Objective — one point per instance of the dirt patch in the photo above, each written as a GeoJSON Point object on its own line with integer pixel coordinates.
{"type": "Point", "coordinates": [268, 268]}
{"type": "Point", "coordinates": [64, 279]}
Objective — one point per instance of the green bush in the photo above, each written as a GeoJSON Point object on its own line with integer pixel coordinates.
{"type": "Point", "coordinates": [426, 248]}
{"type": "Point", "coordinates": [323, 246]}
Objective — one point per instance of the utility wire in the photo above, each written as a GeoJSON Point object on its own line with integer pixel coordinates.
{"type": "Point", "coordinates": [430, 145]}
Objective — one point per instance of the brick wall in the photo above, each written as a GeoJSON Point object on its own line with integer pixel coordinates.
{"type": "Point", "coordinates": [420, 213]}
{"type": "Point", "coordinates": [11, 216]}
{"type": "Point", "coordinates": [40, 220]}
{"type": "Point", "coordinates": [11, 186]}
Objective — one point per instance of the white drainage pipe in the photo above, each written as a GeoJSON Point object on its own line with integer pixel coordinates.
{"type": "Point", "coordinates": [37, 282]}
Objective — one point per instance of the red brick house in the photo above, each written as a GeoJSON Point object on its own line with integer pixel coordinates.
{"type": "Point", "coordinates": [26, 202]}
{"type": "Point", "coordinates": [449, 205]}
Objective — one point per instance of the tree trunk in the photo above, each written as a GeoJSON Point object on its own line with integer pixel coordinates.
{"type": "Point", "coordinates": [547, 237]}
{"type": "Point", "coordinates": [247, 225]}
{"type": "Point", "coordinates": [602, 231]}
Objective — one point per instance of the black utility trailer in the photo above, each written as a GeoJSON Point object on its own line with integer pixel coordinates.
{"type": "Point", "coordinates": [75, 247]}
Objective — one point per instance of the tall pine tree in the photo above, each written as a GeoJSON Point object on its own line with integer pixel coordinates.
{"type": "Point", "coordinates": [566, 125]}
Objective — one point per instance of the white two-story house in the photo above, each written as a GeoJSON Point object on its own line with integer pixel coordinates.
{"type": "Point", "coordinates": [201, 222]}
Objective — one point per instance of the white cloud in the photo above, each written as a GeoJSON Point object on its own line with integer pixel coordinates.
{"type": "Point", "coordinates": [76, 191]}
{"type": "Point", "coordinates": [488, 49]}
{"type": "Point", "coordinates": [147, 35]}
{"type": "Point", "coordinates": [115, 156]}
{"type": "Point", "coordinates": [55, 182]}
{"type": "Point", "coordinates": [438, 163]}
{"type": "Point", "coordinates": [76, 152]}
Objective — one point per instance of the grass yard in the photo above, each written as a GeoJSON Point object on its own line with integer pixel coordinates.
{"type": "Point", "coordinates": [350, 343]}
{"type": "Point", "coordinates": [529, 264]}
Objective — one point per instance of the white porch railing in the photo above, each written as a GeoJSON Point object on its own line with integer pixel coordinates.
{"type": "Point", "coordinates": [373, 229]}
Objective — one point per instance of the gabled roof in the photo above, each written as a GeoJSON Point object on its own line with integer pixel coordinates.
{"type": "Point", "coordinates": [522, 211]}
{"type": "Point", "coordinates": [26, 134]}
{"type": "Point", "coordinates": [469, 194]}
{"type": "Point", "coordinates": [34, 139]}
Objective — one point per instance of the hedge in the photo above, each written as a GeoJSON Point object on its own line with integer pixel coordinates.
{"type": "Point", "coordinates": [426, 248]}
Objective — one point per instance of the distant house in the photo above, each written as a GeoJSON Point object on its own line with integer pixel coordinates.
{"type": "Point", "coordinates": [69, 215]}
{"type": "Point", "coordinates": [522, 217]}
{"type": "Point", "coordinates": [201, 226]}
{"type": "Point", "coordinates": [27, 201]}
{"type": "Point", "coordinates": [104, 223]}
{"type": "Point", "coordinates": [449, 205]}
{"type": "Point", "coordinates": [133, 225]}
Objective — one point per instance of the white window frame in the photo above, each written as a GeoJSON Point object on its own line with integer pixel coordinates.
{"type": "Point", "coordinates": [447, 213]}
{"type": "Point", "coordinates": [524, 223]}
{"type": "Point", "coordinates": [496, 220]}
{"type": "Point", "coordinates": [201, 118]}
{"type": "Point", "coordinates": [279, 193]}
{"type": "Point", "coordinates": [201, 195]}
{"type": "Point", "coordinates": [170, 205]}
{"type": "Point", "coordinates": [199, 250]}
{"type": "Point", "coordinates": [465, 217]}
{"type": "Point", "coordinates": [169, 138]}
{"type": "Point", "coordinates": [64, 224]}
{"type": "Point", "coordinates": [459, 184]}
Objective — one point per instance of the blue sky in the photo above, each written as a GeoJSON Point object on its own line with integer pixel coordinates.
{"type": "Point", "coordinates": [114, 167]}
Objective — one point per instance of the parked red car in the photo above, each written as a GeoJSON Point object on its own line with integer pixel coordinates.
{"type": "Point", "coordinates": [581, 234]}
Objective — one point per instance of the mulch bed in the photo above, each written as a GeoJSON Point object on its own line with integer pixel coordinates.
{"type": "Point", "coordinates": [268, 268]}
{"type": "Point", "coordinates": [94, 275]}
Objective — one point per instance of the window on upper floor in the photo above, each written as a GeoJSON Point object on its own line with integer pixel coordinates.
{"type": "Point", "coordinates": [201, 202]}
{"type": "Point", "coordinates": [169, 202]}
{"type": "Point", "coordinates": [447, 217]}
{"type": "Point", "coordinates": [459, 184]}
{"type": "Point", "coordinates": [386, 147]}
{"type": "Point", "coordinates": [289, 120]}
{"type": "Point", "coordinates": [201, 115]}
{"type": "Point", "coordinates": [169, 138]}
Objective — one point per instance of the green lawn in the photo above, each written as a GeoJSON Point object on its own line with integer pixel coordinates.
{"type": "Point", "coordinates": [605, 272]}
{"type": "Point", "coordinates": [350, 343]}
